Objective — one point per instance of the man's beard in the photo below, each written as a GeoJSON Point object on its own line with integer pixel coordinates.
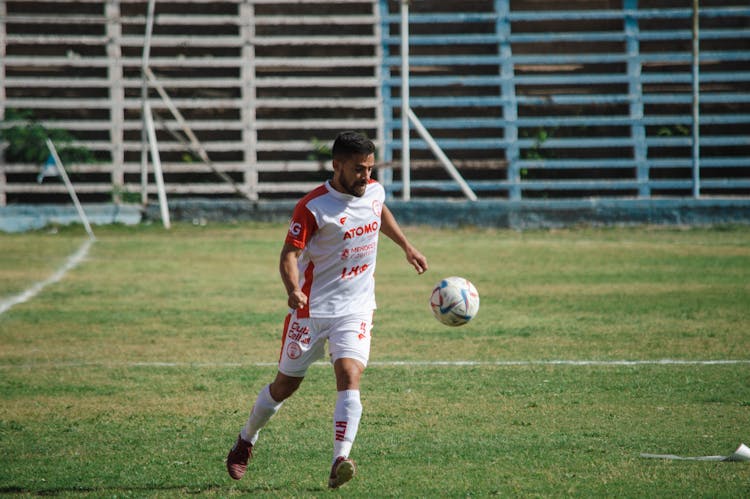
{"type": "Point", "coordinates": [357, 189]}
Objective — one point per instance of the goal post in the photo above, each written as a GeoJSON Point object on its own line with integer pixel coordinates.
{"type": "Point", "coordinates": [148, 132]}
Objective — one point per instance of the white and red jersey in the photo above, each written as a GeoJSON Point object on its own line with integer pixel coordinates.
{"type": "Point", "coordinates": [338, 235]}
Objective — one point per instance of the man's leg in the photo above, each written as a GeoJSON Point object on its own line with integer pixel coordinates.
{"type": "Point", "coordinates": [346, 416]}
{"type": "Point", "coordinates": [348, 410]}
{"type": "Point", "coordinates": [300, 347]}
{"type": "Point", "coordinates": [349, 345]}
{"type": "Point", "coordinates": [269, 401]}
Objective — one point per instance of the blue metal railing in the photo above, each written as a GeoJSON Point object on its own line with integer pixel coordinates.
{"type": "Point", "coordinates": [528, 93]}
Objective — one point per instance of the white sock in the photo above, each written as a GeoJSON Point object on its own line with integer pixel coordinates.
{"type": "Point", "coordinates": [265, 407]}
{"type": "Point", "coordinates": [345, 422]}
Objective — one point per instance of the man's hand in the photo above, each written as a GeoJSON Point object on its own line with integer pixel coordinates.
{"type": "Point", "coordinates": [416, 259]}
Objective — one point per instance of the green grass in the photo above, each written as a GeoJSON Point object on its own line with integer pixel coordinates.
{"type": "Point", "coordinates": [132, 376]}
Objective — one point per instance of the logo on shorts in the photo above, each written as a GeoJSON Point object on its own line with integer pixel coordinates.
{"type": "Point", "coordinates": [293, 351]}
{"type": "Point", "coordinates": [298, 332]}
{"type": "Point", "coordinates": [362, 331]}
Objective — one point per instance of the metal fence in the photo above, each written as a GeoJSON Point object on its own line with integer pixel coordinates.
{"type": "Point", "coordinates": [576, 99]}
{"type": "Point", "coordinates": [528, 99]}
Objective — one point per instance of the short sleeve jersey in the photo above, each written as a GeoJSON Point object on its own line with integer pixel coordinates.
{"type": "Point", "coordinates": [338, 235]}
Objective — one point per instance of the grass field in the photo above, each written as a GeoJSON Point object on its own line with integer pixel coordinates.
{"type": "Point", "coordinates": [132, 375]}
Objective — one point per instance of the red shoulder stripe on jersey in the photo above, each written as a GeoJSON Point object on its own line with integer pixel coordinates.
{"type": "Point", "coordinates": [303, 224]}
{"type": "Point", "coordinates": [317, 192]}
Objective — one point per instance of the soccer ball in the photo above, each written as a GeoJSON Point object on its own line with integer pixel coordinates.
{"type": "Point", "coordinates": [454, 301]}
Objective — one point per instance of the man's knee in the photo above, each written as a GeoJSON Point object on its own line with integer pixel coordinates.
{"type": "Point", "coordinates": [348, 373]}
{"type": "Point", "coordinates": [283, 387]}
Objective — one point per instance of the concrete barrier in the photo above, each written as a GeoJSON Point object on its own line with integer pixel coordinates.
{"type": "Point", "coordinates": [506, 214]}
{"type": "Point", "coordinates": [503, 214]}
{"type": "Point", "coordinates": [22, 218]}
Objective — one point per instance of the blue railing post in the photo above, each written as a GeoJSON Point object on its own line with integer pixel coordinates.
{"type": "Point", "coordinates": [695, 77]}
{"type": "Point", "coordinates": [405, 104]}
{"type": "Point", "coordinates": [507, 86]}
{"type": "Point", "coordinates": [635, 96]}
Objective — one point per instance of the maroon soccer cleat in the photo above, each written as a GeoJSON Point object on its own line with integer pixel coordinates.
{"type": "Point", "coordinates": [238, 457]}
{"type": "Point", "coordinates": [342, 471]}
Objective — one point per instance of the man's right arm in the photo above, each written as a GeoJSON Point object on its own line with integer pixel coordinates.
{"type": "Point", "coordinates": [290, 276]}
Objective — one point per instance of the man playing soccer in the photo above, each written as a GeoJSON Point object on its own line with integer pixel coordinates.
{"type": "Point", "coordinates": [327, 265]}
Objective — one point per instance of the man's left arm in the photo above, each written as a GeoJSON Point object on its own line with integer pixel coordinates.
{"type": "Point", "coordinates": [389, 226]}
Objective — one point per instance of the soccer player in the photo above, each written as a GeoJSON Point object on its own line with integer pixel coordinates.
{"type": "Point", "coordinates": [327, 265]}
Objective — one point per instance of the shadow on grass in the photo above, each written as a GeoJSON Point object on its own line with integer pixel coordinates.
{"type": "Point", "coordinates": [183, 489]}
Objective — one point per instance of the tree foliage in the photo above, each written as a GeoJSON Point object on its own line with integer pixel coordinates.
{"type": "Point", "coordinates": [26, 138]}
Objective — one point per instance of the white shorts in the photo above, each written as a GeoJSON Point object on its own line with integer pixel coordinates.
{"type": "Point", "coordinates": [304, 340]}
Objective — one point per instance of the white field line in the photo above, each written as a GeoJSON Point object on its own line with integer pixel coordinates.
{"type": "Point", "coordinates": [77, 257]}
{"type": "Point", "coordinates": [72, 261]}
{"type": "Point", "coordinates": [395, 363]}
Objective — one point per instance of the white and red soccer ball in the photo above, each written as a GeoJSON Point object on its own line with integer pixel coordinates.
{"type": "Point", "coordinates": [454, 301]}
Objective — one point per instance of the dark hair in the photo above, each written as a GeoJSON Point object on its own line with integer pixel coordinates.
{"type": "Point", "coordinates": [350, 143]}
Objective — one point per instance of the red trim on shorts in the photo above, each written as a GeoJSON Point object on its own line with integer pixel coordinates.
{"type": "Point", "coordinates": [283, 335]}
{"type": "Point", "coordinates": [304, 312]}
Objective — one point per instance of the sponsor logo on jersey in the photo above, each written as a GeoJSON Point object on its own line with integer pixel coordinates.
{"type": "Point", "coordinates": [367, 248]}
{"type": "Point", "coordinates": [362, 230]}
{"type": "Point", "coordinates": [356, 252]}
{"type": "Point", "coordinates": [354, 271]}
{"type": "Point", "coordinates": [342, 220]}
{"type": "Point", "coordinates": [295, 228]}
{"type": "Point", "coordinates": [377, 208]}
{"type": "Point", "coordinates": [362, 331]}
